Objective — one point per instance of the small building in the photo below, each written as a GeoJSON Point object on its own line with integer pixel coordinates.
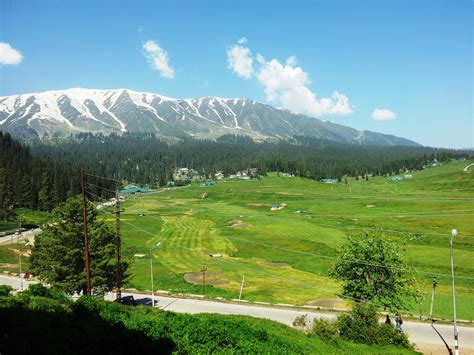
{"type": "Point", "coordinates": [182, 174]}
{"type": "Point", "coordinates": [208, 182]}
{"type": "Point", "coordinates": [219, 175]}
{"type": "Point", "coordinates": [407, 176]}
{"type": "Point", "coordinates": [396, 178]}
{"type": "Point", "coordinates": [132, 189]}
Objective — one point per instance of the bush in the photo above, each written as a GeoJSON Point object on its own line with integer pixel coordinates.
{"type": "Point", "coordinates": [39, 290]}
{"type": "Point", "coordinates": [301, 322]}
{"type": "Point", "coordinates": [5, 290]}
{"type": "Point", "coordinates": [388, 335]}
{"type": "Point", "coordinates": [325, 328]}
{"type": "Point", "coordinates": [362, 326]}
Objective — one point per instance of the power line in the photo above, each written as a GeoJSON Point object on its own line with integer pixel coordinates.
{"type": "Point", "coordinates": [100, 187]}
{"type": "Point", "coordinates": [103, 177]}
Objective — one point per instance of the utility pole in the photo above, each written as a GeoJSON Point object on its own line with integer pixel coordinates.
{"type": "Point", "coordinates": [454, 233]}
{"type": "Point", "coordinates": [432, 298]}
{"type": "Point", "coordinates": [203, 270]}
{"type": "Point", "coordinates": [21, 272]}
{"type": "Point", "coordinates": [86, 238]}
{"type": "Point", "coordinates": [241, 287]}
{"type": "Point", "coordinates": [118, 249]}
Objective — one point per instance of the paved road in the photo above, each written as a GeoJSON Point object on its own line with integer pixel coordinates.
{"type": "Point", "coordinates": [422, 334]}
{"type": "Point", "coordinates": [28, 235]}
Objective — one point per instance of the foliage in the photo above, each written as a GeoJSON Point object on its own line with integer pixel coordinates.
{"type": "Point", "coordinates": [94, 326]}
{"type": "Point", "coordinates": [39, 290]}
{"type": "Point", "coordinates": [5, 290]}
{"type": "Point", "coordinates": [143, 158]}
{"type": "Point", "coordinates": [301, 321]}
{"type": "Point", "coordinates": [58, 255]}
{"type": "Point", "coordinates": [325, 328]}
{"type": "Point", "coordinates": [362, 326]}
{"type": "Point", "coordinates": [372, 268]}
{"type": "Point", "coordinates": [40, 183]}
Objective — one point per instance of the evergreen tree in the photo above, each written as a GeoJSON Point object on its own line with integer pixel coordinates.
{"type": "Point", "coordinates": [45, 195]}
{"type": "Point", "coordinates": [58, 254]}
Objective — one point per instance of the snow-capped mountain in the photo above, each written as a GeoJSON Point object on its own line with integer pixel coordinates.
{"type": "Point", "coordinates": [87, 110]}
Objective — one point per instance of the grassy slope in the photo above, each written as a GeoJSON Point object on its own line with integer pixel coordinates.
{"type": "Point", "coordinates": [104, 327]}
{"type": "Point", "coordinates": [191, 228]}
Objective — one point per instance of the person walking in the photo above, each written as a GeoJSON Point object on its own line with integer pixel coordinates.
{"type": "Point", "coordinates": [399, 322]}
{"type": "Point", "coordinates": [388, 320]}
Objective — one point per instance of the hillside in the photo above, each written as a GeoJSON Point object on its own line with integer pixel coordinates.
{"type": "Point", "coordinates": [57, 326]}
{"type": "Point", "coordinates": [61, 113]}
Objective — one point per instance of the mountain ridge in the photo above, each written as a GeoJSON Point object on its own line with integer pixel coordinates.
{"type": "Point", "coordinates": [75, 110]}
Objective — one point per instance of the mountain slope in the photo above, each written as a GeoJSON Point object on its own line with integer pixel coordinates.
{"type": "Point", "coordinates": [88, 110]}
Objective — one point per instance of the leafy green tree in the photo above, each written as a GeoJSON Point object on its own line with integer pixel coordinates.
{"type": "Point", "coordinates": [372, 269]}
{"type": "Point", "coordinates": [58, 255]}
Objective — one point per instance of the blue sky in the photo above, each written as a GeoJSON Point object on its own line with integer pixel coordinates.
{"type": "Point", "coordinates": [410, 60]}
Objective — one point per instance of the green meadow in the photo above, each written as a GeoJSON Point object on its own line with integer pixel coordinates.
{"type": "Point", "coordinates": [285, 255]}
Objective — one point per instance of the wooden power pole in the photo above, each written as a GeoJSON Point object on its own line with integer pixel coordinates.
{"type": "Point", "coordinates": [86, 239]}
{"type": "Point", "coordinates": [118, 249]}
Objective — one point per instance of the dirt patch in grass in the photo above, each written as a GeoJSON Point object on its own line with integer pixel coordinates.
{"type": "Point", "coordinates": [239, 224]}
{"type": "Point", "coordinates": [212, 278]}
{"type": "Point", "coordinates": [327, 302]}
{"type": "Point", "coordinates": [272, 264]}
{"type": "Point", "coordinates": [8, 266]}
{"type": "Point", "coordinates": [26, 252]}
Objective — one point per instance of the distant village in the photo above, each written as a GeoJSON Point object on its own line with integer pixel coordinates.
{"type": "Point", "coordinates": [185, 176]}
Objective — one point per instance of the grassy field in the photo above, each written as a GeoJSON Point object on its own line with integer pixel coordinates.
{"type": "Point", "coordinates": [9, 258]}
{"type": "Point", "coordinates": [24, 216]}
{"type": "Point", "coordinates": [285, 255]}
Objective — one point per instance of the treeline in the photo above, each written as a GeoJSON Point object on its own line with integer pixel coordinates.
{"type": "Point", "coordinates": [46, 173]}
{"type": "Point", "coordinates": [38, 183]}
{"type": "Point", "coordinates": [146, 159]}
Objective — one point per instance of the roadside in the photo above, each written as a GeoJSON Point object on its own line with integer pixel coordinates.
{"type": "Point", "coordinates": [422, 335]}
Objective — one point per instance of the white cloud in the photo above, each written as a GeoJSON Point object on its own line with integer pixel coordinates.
{"type": "Point", "coordinates": [243, 40]}
{"type": "Point", "coordinates": [158, 59]}
{"type": "Point", "coordinates": [240, 60]}
{"type": "Point", "coordinates": [9, 55]}
{"type": "Point", "coordinates": [285, 85]}
{"type": "Point", "coordinates": [291, 60]}
{"type": "Point", "coordinates": [383, 115]}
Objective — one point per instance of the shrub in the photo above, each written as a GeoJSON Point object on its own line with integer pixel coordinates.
{"type": "Point", "coordinates": [388, 335]}
{"type": "Point", "coordinates": [45, 304]}
{"type": "Point", "coordinates": [301, 322]}
{"type": "Point", "coordinates": [325, 328]}
{"type": "Point", "coordinates": [362, 326]}
{"type": "Point", "coordinates": [5, 290]}
{"type": "Point", "coordinates": [39, 290]}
